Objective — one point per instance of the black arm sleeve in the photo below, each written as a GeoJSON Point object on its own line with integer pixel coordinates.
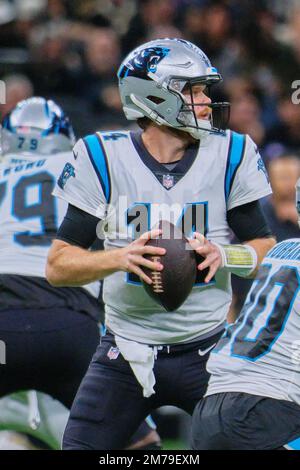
{"type": "Point", "coordinates": [248, 222]}
{"type": "Point", "coordinates": [78, 228]}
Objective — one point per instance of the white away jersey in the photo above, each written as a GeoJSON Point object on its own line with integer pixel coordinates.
{"type": "Point", "coordinates": [260, 353]}
{"type": "Point", "coordinates": [117, 180]}
{"type": "Point", "coordinates": [29, 214]}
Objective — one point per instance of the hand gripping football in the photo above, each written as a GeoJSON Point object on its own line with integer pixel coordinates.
{"type": "Point", "coordinates": [171, 286]}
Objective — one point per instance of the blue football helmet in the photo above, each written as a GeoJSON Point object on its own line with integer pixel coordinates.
{"type": "Point", "coordinates": [36, 125]}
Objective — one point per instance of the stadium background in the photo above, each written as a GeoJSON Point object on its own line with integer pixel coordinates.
{"type": "Point", "coordinates": [70, 51]}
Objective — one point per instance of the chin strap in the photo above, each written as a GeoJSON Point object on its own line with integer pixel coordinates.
{"type": "Point", "coordinates": [198, 134]}
{"type": "Point", "coordinates": [238, 259]}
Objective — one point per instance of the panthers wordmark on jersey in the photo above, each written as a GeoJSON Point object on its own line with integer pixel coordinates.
{"type": "Point", "coordinates": [29, 214]}
{"type": "Point", "coordinates": [117, 180]}
{"type": "Point", "coordinates": [260, 353]}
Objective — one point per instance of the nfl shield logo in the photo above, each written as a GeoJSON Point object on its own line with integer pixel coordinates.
{"type": "Point", "coordinates": [113, 353]}
{"type": "Point", "coordinates": [168, 181]}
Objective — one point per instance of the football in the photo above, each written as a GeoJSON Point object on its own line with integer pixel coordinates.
{"type": "Point", "coordinates": [171, 286]}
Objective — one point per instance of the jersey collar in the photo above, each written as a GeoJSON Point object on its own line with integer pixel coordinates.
{"type": "Point", "coordinates": [167, 178]}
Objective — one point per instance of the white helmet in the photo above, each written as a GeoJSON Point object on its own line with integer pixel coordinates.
{"type": "Point", "coordinates": [151, 80]}
{"type": "Point", "coordinates": [36, 125]}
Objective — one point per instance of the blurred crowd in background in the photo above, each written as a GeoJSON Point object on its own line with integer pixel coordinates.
{"type": "Point", "coordinates": [70, 50]}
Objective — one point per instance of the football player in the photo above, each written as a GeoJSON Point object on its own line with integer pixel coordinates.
{"type": "Point", "coordinates": [253, 396]}
{"type": "Point", "coordinates": [182, 166]}
{"type": "Point", "coordinates": [49, 334]}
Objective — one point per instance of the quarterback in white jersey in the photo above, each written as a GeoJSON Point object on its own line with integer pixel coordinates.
{"type": "Point", "coordinates": [183, 167]}
{"type": "Point", "coordinates": [255, 367]}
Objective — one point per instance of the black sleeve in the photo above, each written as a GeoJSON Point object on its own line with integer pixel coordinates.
{"type": "Point", "coordinates": [78, 228]}
{"type": "Point", "coordinates": [248, 222]}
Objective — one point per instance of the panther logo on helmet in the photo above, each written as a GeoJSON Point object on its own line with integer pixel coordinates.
{"type": "Point", "coordinates": [144, 61]}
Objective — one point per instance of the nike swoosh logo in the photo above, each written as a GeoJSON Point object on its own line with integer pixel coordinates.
{"type": "Point", "coordinates": [205, 351]}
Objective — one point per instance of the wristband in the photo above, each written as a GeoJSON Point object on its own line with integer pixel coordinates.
{"type": "Point", "coordinates": [238, 259]}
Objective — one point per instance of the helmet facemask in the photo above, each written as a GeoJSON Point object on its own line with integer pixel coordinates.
{"type": "Point", "coordinates": [187, 116]}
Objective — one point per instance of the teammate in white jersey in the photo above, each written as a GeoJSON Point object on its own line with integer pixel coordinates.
{"type": "Point", "coordinates": [253, 396]}
{"type": "Point", "coordinates": [42, 327]}
{"type": "Point", "coordinates": [50, 334]}
{"type": "Point", "coordinates": [183, 167]}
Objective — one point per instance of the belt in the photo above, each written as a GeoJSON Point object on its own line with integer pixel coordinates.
{"type": "Point", "coordinates": [181, 347]}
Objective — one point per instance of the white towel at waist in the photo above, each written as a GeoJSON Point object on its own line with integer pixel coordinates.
{"type": "Point", "coordinates": [141, 359]}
